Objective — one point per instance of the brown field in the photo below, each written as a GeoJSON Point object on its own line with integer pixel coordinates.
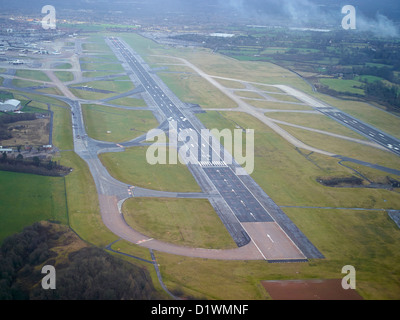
{"type": "Point", "coordinates": [33, 132]}
{"type": "Point", "coordinates": [315, 289]}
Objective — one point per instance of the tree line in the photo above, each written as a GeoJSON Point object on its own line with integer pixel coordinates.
{"type": "Point", "coordinates": [33, 165]}
{"type": "Point", "coordinates": [89, 273]}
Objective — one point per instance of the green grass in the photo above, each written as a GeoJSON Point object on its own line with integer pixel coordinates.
{"type": "Point", "coordinates": [187, 222]}
{"type": "Point", "coordinates": [52, 90]}
{"type": "Point", "coordinates": [129, 102]}
{"type": "Point", "coordinates": [83, 203]}
{"type": "Point", "coordinates": [33, 75]}
{"type": "Point", "coordinates": [24, 83]}
{"type": "Point", "coordinates": [131, 167]}
{"type": "Point", "coordinates": [89, 95]}
{"type": "Point", "coordinates": [124, 125]}
{"type": "Point", "coordinates": [341, 85]}
{"type": "Point", "coordinates": [64, 76]}
{"type": "Point", "coordinates": [114, 67]}
{"type": "Point", "coordinates": [64, 66]}
{"type": "Point", "coordinates": [116, 86]}
{"type": "Point", "coordinates": [27, 198]}
{"type": "Point", "coordinates": [62, 128]}
{"type": "Point", "coordinates": [194, 89]}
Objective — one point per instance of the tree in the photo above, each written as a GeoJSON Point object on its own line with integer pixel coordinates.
{"type": "Point", "coordinates": [36, 161]}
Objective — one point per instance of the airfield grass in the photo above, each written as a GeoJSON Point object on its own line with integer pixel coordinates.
{"type": "Point", "coordinates": [62, 128]}
{"type": "Point", "coordinates": [33, 75]}
{"type": "Point", "coordinates": [187, 222]}
{"type": "Point", "coordinates": [342, 85]}
{"type": "Point", "coordinates": [129, 102]}
{"type": "Point", "coordinates": [248, 94]}
{"type": "Point", "coordinates": [83, 204]}
{"type": "Point", "coordinates": [89, 95]}
{"type": "Point", "coordinates": [194, 89]}
{"type": "Point", "coordinates": [21, 83]}
{"type": "Point", "coordinates": [277, 105]}
{"type": "Point", "coordinates": [66, 65]}
{"type": "Point", "coordinates": [64, 76]}
{"type": "Point", "coordinates": [52, 90]}
{"type": "Point", "coordinates": [131, 167]}
{"type": "Point", "coordinates": [124, 125]}
{"type": "Point", "coordinates": [28, 198]}
{"type": "Point", "coordinates": [114, 67]}
{"type": "Point", "coordinates": [116, 86]}
{"type": "Point", "coordinates": [231, 84]}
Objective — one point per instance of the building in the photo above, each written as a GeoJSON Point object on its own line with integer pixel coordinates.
{"type": "Point", "coordinates": [10, 105]}
{"type": "Point", "coordinates": [5, 150]}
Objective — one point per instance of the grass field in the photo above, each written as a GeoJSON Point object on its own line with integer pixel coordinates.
{"type": "Point", "coordinates": [33, 75]}
{"type": "Point", "coordinates": [194, 89]}
{"type": "Point", "coordinates": [341, 85]}
{"type": "Point", "coordinates": [20, 83]}
{"type": "Point", "coordinates": [187, 222]}
{"type": "Point", "coordinates": [64, 76]}
{"type": "Point", "coordinates": [131, 167]}
{"type": "Point", "coordinates": [123, 125]}
{"type": "Point", "coordinates": [28, 198]}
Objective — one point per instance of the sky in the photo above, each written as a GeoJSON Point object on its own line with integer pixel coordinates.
{"type": "Point", "coordinates": [381, 16]}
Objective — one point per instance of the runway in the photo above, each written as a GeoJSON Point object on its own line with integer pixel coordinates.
{"type": "Point", "coordinates": [245, 213]}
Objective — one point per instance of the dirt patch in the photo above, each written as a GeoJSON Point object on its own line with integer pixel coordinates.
{"type": "Point", "coordinates": [34, 132]}
{"type": "Point", "coordinates": [327, 289]}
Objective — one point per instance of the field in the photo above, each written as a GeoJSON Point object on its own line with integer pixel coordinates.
{"type": "Point", "coordinates": [187, 222]}
{"type": "Point", "coordinates": [132, 168]}
{"type": "Point", "coordinates": [116, 125]}
{"type": "Point", "coordinates": [27, 198]}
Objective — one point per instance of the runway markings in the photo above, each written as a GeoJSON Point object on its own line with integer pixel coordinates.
{"type": "Point", "coordinates": [144, 240]}
{"type": "Point", "coordinates": [212, 164]}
